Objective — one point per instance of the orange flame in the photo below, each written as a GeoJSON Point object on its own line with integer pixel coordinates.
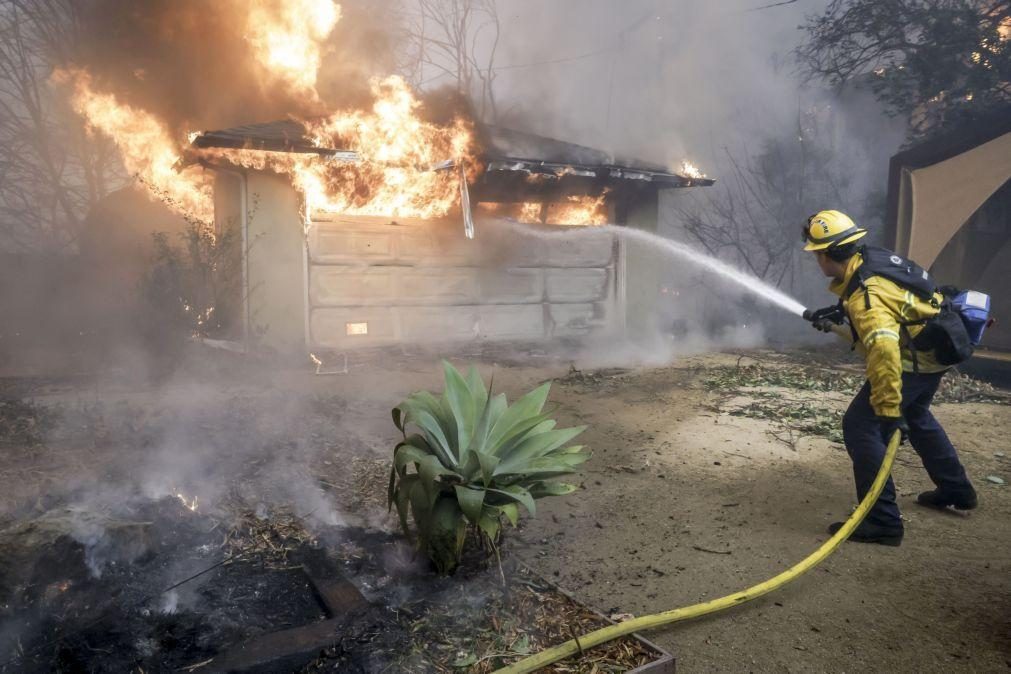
{"type": "Point", "coordinates": [147, 148]}
{"type": "Point", "coordinates": [579, 211]}
{"type": "Point", "coordinates": [286, 36]}
{"type": "Point", "coordinates": [397, 151]}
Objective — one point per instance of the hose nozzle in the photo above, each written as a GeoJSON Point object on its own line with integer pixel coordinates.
{"type": "Point", "coordinates": [808, 315]}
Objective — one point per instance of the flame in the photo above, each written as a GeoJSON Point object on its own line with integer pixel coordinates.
{"type": "Point", "coordinates": [286, 36]}
{"type": "Point", "coordinates": [397, 151]}
{"type": "Point", "coordinates": [147, 148]}
{"type": "Point", "coordinates": [190, 503]}
{"type": "Point", "coordinates": [689, 170]}
{"type": "Point", "coordinates": [579, 211]}
{"type": "Point", "coordinates": [530, 212]}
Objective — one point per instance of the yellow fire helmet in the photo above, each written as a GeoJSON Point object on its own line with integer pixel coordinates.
{"type": "Point", "coordinates": [828, 229]}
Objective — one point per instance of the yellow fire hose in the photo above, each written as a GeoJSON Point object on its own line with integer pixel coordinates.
{"type": "Point", "coordinates": [605, 634]}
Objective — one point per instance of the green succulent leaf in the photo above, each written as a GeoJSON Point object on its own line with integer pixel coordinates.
{"type": "Point", "coordinates": [537, 445]}
{"type": "Point", "coordinates": [406, 453]}
{"type": "Point", "coordinates": [493, 411]}
{"type": "Point", "coordinates": [511, 511]}
{"type": "Point", "coordinates": [523, 409]}
{"type": "Point", "coordinates": [471, 502]}
{"type": "Point", "coordinates": [541, 489]}
{"type": "Point", "coordinates": [516, 435]}
{"type": "Point", "coordinates": [477, 388]}
{"type": "Point", "coordinates": [463, 406]}
{"type": "Point", "coordinates": [448, 532]}
{"type": "Point", "coordinates": [488, 463]}
{"type": "Point", "coordinates": [391, 488]}
{"type": "Point", "coordinates": [490, 524]}
{"type": "Point", "coordinates": [518, 494]}
{"type": "Point", "coordinates": [401, 499]}
{"type": "Point", "coordinates": [436, 437]}
{"type": "Point", "coordinates": [430, 470]}
{"type": "Point", "coordinates": [476, 459]}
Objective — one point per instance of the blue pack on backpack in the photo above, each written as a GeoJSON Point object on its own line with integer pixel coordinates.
{"type": "Point", "coordinates": [974, 309]}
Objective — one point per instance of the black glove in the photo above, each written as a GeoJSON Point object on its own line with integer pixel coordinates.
{"type": "Point", "coordinates": [823, 324]}
{"type": "Point", "coordinates": [834, 313]}
{"type": "Point", "coordinates": [889, 425]}
{"type": "Point", "coordinates": [823, 319]}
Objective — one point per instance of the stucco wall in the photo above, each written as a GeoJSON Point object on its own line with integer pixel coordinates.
{"type": "Point", "coordinates": [409, 295]}
{"type": "Point", "coordinates": [643, 270]}
{"type": "Point", "coordinates": [276, 271]}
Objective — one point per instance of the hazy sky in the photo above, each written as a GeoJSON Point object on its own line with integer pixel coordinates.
{"type": "Point", "coordinates": [666, 80]}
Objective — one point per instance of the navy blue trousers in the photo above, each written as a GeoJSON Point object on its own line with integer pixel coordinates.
{"type": "Point", "coordinates": [866, 447]}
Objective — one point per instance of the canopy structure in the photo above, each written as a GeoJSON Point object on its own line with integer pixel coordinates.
{"type": "Point", "coordinates": [949, 202]}
{"type": "Point", "coordinates": [936, 187]}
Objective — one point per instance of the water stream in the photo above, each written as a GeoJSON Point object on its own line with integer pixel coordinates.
{"type": "Point", "coordinates": [681, 251]}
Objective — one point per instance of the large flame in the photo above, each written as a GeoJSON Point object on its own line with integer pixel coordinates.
{"type": "Point", "coordinates": [397, 149]}
{"type": "Point", "coordinates": [397, 153]}
{"type": "Point", "coordinates": [286, 36]}
{"type": "Point", "coordinates": [148, 150]}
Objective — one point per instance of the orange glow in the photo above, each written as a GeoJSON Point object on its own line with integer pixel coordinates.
{"type": "Point", "coordinates": [578, 211]}
{"type": "Point", "coordinates": [147, 149]}
{"type": "Point", "coordinates": [530, 212]}
{"type": "Point", "coordinates": [286, 36]}
{"type": "Point", "coordinates": [397, 151]}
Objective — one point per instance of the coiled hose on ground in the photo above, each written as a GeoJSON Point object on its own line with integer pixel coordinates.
{"type": "Point", "coordinates": [605, 634]}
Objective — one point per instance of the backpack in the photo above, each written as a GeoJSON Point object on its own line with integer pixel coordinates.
{"type": "Point", "coordinates": [947, 334]}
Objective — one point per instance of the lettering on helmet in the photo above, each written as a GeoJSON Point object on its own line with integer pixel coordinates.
{"type": "Point", "coordinates": [824, 225]}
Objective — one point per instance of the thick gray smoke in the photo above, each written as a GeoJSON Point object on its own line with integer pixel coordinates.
{"type": "Point", "coordinates": [715, 84]}
{"type": "Point", "coordinates": [666, 81]}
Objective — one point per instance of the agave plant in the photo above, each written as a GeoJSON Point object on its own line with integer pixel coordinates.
{"type": "Point", "coordinates": [474, 459]}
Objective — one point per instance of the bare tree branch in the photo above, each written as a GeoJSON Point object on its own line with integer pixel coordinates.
{"type": "Point", "coordinates": [458, 39]}
{"type": "Point", "coordinates": [53, 170]}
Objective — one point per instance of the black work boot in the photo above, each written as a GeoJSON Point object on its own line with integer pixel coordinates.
{"type": "Point", "coordinates": [941, 499]}
{"type": "Point", "coordinates": [872, 533]}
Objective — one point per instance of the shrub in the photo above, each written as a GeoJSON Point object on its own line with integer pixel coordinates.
{"type": "Point", "coordinates": [475, 459]}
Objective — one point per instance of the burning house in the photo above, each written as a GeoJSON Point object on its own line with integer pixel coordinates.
{"type": "Point", "coordinates": [337, 276]}
{"type": "Point", "coordinates": [388, 219]}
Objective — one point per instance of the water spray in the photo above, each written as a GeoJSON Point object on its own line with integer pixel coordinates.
{"type": "Point", "coordinates": [748, 282]}
{"type": "Point", "coordinates": [758, 287]}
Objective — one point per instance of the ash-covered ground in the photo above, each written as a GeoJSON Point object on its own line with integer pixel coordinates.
{"type": "Point", "coordinates": [705, 479]}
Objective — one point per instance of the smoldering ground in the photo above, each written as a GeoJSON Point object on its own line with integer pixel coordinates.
{"type": "Point", "coordinates": [130, 488]}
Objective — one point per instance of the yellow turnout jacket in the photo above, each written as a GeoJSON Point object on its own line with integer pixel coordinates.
{"type": "Point", "coordinates": [876, 314]}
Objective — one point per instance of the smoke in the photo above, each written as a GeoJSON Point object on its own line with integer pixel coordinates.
{"type": "Point", "coordinates": [193, 63]}
{"type": "Point", "coordinates": [658, 80]}
{"type": "Point", "coordinates": [716, 84]}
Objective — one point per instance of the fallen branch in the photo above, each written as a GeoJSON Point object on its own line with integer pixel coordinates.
{"type": "Point", "coordinates": [715, 552]}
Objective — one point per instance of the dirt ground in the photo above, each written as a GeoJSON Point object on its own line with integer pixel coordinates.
{"type": "Point", "coordinates": [684, 500]}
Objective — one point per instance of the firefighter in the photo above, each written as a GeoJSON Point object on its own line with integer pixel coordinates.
{"type": "Point", "coordinates": [900, 384]}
